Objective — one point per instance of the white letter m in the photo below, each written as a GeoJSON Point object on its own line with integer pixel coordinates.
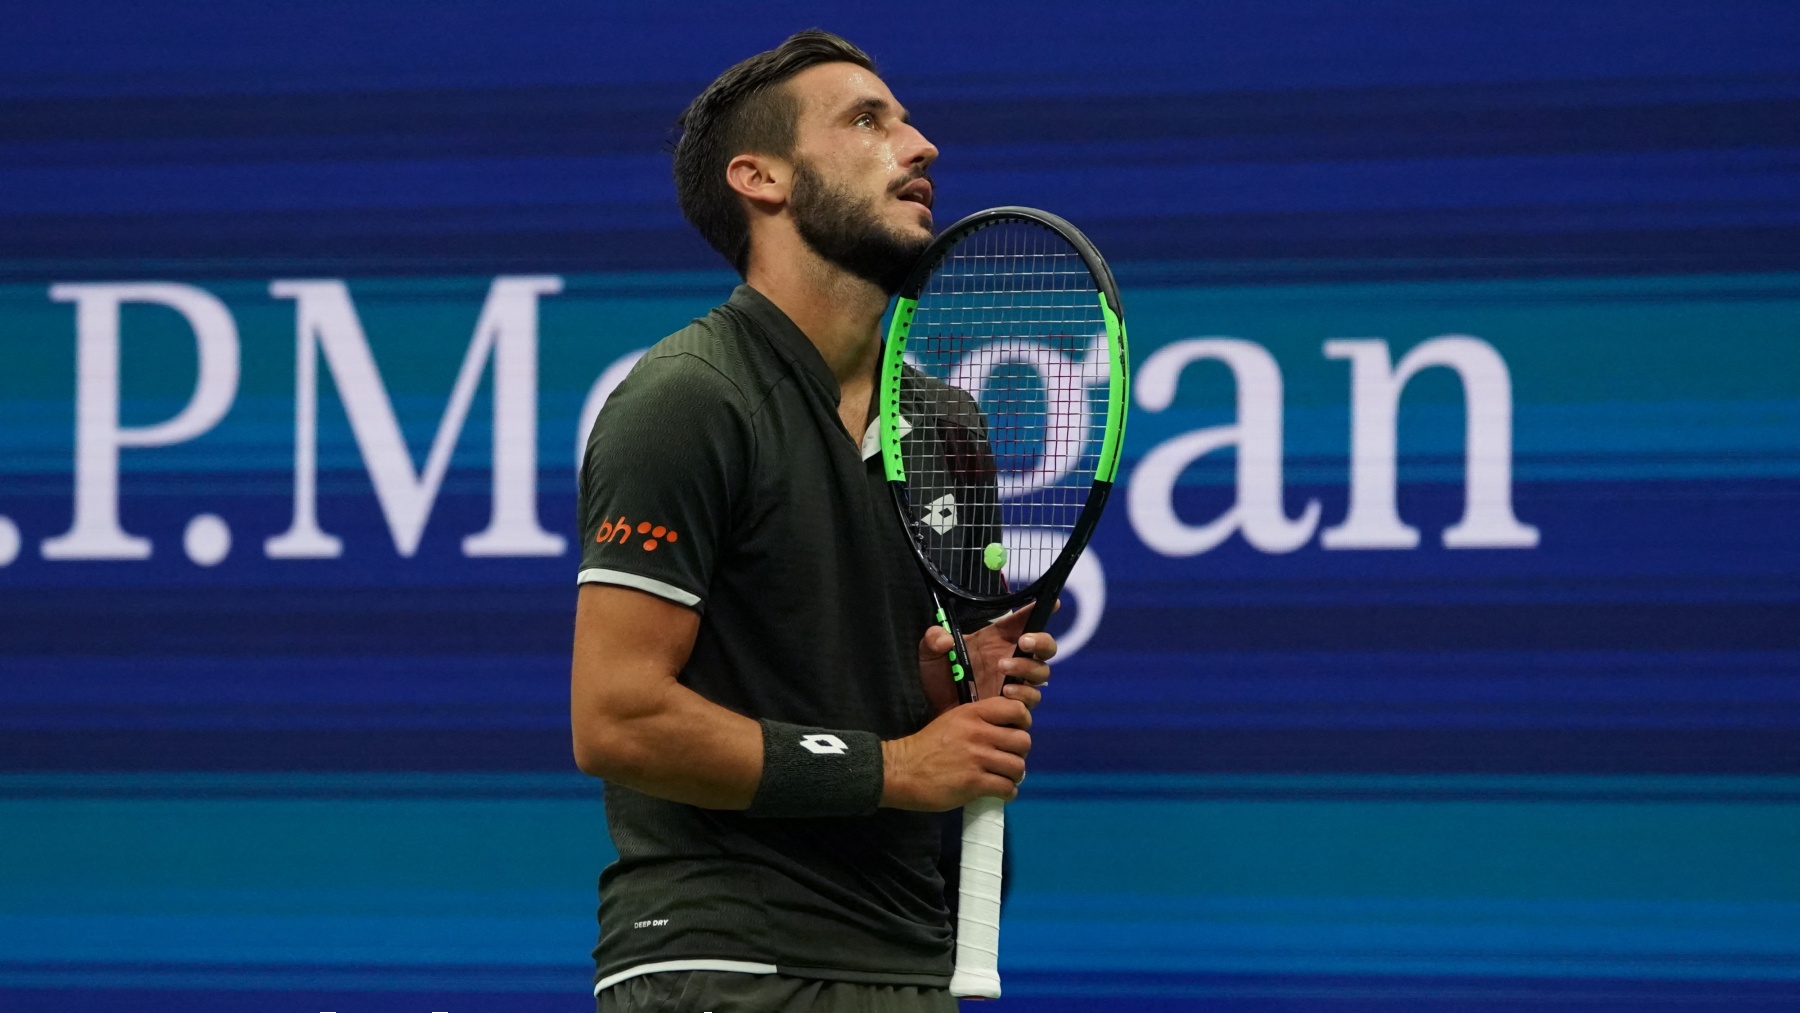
{"type": "Point", "coordinates": [326, 321]}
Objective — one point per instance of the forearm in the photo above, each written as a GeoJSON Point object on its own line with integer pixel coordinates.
{"type": "Point", "coordinates": [674, 744]}
{"type": "Point", "coordinates": [636, 725]}
{"type": "Point", "coordinates": [633, 721]}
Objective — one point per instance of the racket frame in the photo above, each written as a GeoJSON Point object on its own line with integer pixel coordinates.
{"type": "Point", "coordinates": [978, 930]}
{"type": "Point", "coordinates": [893, 364]}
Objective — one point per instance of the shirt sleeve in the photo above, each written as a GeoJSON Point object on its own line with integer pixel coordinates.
{"type": "Point", "coordinates": [666, 464]}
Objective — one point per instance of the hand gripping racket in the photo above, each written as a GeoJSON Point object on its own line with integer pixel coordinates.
{"type": "Point", "coordinates": [1003, 394]}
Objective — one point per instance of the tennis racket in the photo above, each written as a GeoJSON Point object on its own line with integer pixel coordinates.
{"type": "Point", "coordinates": [1003, 393]}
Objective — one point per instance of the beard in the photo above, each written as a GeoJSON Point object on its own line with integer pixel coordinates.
{"type": "Point", "coordinates": [846, 231]}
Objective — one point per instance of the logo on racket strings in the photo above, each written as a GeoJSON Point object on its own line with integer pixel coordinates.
{"type": "Point", "coordinates": [622, 530]}
{"type": "Point", "coordinates": [940, 514]}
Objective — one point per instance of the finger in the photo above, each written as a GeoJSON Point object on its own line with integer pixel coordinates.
{"type": "Point", "coordinates": [1026, 670]}
{"type": "Point", "coordinates": [1002, 712]}
{"type": "Point", "coordinates": [1041, 646]}
{"type": "Point", "coordinates": [1008, 765]}
{"type": "Point", "coordinates": [1027, 695]}
{"type": "Point", "coordinates": [935, 643]}
{"type": "Point", "coordinates": [999, 787]}
{"type": "Point", "coordinates": [1012, 741]}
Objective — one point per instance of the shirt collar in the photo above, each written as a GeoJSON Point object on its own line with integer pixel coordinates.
{"type": "Point", "coordinates": [788, 339]}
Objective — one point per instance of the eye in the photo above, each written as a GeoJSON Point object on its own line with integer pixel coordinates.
{"type": "Point", "coordinates": [864, 120]}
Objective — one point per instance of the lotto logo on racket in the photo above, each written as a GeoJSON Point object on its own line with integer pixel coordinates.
{"type": "Point", "coordinates": [622, 530]}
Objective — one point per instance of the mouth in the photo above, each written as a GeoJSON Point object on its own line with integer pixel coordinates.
{"type": "Point", "coordinates": [919, 192]}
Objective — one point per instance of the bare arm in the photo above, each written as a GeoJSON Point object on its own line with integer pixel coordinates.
{"type": "Point", "coordinates": [634, 724]}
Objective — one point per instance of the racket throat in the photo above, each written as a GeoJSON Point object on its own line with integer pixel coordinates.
{"type": "Point", "coordinates": [962, 667]}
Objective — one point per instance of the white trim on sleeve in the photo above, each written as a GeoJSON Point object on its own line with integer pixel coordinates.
{"type": "Point", "coordinates": [740, 966]}
{"type": "Point", "coordinates": [661, 589]}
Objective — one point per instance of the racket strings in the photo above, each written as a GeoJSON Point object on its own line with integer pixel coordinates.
{"type": "Point", "coordinates": [1006, 446]}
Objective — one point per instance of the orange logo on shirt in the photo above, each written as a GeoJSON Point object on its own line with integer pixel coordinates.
{"type": "Point", "coordinates": [621, 531]}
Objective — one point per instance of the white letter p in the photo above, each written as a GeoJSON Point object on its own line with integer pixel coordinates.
{"type": "Point", "coordinates": [95, 531]}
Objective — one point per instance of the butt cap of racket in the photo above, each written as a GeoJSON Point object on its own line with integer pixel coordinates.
{"type": "Point", "coordinates": [970, 985]}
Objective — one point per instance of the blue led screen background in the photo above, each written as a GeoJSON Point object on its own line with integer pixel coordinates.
{"type": "Point", "coordinates": [1441, 649]}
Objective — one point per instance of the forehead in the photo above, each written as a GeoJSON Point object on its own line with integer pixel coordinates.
{"type": "Point", "coordinates": [830, 88]}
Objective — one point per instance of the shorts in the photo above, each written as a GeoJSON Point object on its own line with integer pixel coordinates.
{"type": "Point", "coordinates": [736, 992]}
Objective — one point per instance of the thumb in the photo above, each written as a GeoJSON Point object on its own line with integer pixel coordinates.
{"type": "Point", "coordinates": [935, 643]}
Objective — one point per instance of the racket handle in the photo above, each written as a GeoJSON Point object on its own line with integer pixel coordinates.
{"type": "Point", "coordinates": [977, 973]}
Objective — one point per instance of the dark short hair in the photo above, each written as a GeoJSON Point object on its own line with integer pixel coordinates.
{"type": "Point", "coordinates": [746, 109]}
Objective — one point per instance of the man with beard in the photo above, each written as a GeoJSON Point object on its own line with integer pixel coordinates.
{"type": "Point", "coordinates": [756, 674]}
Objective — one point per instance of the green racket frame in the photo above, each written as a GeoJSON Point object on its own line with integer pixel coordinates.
{"type": "Point", "coordinates": [893, 363]}
{"type": "Point", "coordinates": [978, 929]}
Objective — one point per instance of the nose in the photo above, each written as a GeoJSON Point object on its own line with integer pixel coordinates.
{"type": "Point", "coordinates": [915, 150]}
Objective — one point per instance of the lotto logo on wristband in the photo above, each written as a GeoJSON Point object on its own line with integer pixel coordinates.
{"type": "Point", "coordinates": [823, 744]}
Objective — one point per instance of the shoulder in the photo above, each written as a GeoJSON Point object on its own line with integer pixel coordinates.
{"type": "Point", "coordinates": [694, 381]}
{"type": "Point", "coordinates": [672, 376]}
{"type": "Point", "coordinates": [717, 353]}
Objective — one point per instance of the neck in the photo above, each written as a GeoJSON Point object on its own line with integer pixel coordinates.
{"type": "Point", "coordinates": [837, 311]}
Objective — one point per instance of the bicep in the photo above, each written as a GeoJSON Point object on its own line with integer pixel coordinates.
{"type": "Point", "coordinates": [629, 647]}
{"type": "Point", "coordinates": [627, 705]}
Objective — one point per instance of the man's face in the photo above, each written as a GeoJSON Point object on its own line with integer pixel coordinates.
{"type": "Point", "coordinates": [862, 192]}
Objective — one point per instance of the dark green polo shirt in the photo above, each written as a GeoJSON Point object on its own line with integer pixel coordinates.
{"type": "Point", "coordinates": [720, 476]}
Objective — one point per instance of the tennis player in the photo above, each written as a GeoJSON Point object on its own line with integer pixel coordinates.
{"type": "Point", "coordinates": [756, 673]}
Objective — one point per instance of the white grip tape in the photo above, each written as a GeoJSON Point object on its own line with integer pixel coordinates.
{"type": "Point", "coordinates": [978, 909]}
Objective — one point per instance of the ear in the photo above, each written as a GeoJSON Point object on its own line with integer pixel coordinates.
{"type": "Point", "coordinates": [762, 179]}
